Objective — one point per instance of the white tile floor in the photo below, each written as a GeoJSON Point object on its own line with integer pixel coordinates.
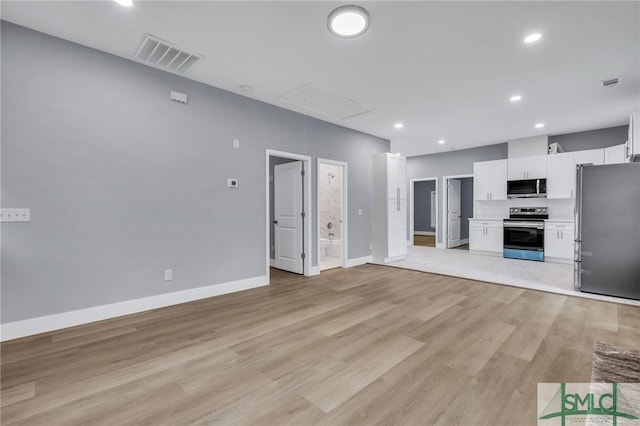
{"type": "Point", "coordinates": [545, 276]}
{"type": "Point", "coordinates": [330, 262]}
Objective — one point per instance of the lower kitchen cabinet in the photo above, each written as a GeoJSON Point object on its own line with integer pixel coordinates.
{"type": "Point", "coordinates": [486, 236]}
{"type": "Point", "coordinates": [559, 241]}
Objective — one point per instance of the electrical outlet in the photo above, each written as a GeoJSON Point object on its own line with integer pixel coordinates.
{"type": "Point", "coordinates": [359, 212]}
{"type": "Point", "coordinates": [15, 215]}
{"type": "Point", "coordinates": [370, 246]}
{"type": "Point", "coordinates": [236, 143]}
{"type": "Point", "coordinates": [168, 274]}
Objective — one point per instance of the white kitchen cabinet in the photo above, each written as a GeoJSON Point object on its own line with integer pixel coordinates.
{"type": "Point", "coordinates": [396, 176]}
{"type": "Point", "coordinates": [389, 236]}
{"type": "Point", "coordinates": [559, 240]}
{"type": "Point", "coordinates": [561, 175]}
{"type": "Point", "coordinates": [527, 167]}
{"type": "Point", "coordinates": [589, 156]}
{"type": "Point", "coordinates": [490, 180]}
{"type": "Point", "coordinates": [615, 154]}
{"type": "Point", "coordinates": [486, 236]}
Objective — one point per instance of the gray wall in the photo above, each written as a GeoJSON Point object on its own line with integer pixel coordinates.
{"type": "Point", "coordinates": [422, 205]}
{"type": "Point", "coordinates": [466, 206]}
{"type": "Point", "coordinates": [450, 164]}
{"type": "Point", "coordinates": [123, 183]}
{"type": "Point", "coordinates": [592, 139]}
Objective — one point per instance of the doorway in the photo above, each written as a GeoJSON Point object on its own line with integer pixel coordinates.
{"type": "Point", "coordinates": [288, 211]}
{"type": "Point", "coordinates": [423, 221]}
{"type": "Point", "coordinates": [332, 214]}
{"type": "Point", "coordinates": [457, 210]}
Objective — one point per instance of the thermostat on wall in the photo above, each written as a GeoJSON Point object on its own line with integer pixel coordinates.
{"type": "Point", "coordinates": [232, 183]}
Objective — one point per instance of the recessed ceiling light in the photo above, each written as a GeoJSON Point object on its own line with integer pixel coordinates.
{"type": "Point", "coordinates": [532, 38]}
{"type": "Point", "coordinates": [348, 21]}
{"type": "Point", "coordinates": [515, 98]}
{"type": "Point", "coordinates": [398, 125]}
{"type": "Point", "coordinates": [441, 141]}
{"type": "Point", "coordinates": [539, 125]}
{"type": "Point", "coordinates": [127, 3]}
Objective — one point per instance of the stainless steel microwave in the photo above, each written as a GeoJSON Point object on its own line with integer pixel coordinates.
{"type": "Point", "coordinates": [528, 188]}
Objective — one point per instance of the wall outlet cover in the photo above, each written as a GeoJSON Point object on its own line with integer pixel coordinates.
{"type": "Point", "coordinates": [168, 274]}
{"type": "Point", "coordinates": [232, 183]}
{"type": "Point", "coordinates": [15, 215]}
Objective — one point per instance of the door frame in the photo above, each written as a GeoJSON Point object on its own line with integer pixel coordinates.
{"type": "Point", "coordinates": [411, 207]}
{"type": "Point", "coordinates": [445, 205]}
{"type": "Point", "coordinates": [306, 204]}
{"type": "Point", "coordinates": [344, 227]}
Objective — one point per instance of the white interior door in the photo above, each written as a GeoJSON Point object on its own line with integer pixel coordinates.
{"type": "Point", "coordinates": [288, 207]}
{"type": "Point", "coordinates": [453, 213]}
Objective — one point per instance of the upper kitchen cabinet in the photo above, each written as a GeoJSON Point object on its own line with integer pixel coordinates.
{"type": "Point", "coordinates": [490, 180]}
{"type": "Point", "coordinates": [561, 175]}
{"type": "Point", "coordinates": [527, 167]}
{"type": "Point", "coordinates": [590, 156]}
{"type": "Point", "coordinates": [615, 154]}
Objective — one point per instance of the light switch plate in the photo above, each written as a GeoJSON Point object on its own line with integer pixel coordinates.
{"type": "Point", "coordinates": [15, 215]}
{"type": "Point", "coordinates": [232, 183]}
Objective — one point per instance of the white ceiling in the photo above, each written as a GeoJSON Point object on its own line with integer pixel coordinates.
{"type": "Point", "coordinates": [444, 69]}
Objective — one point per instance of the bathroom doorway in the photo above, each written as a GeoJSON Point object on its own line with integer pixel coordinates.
{"type": "Point", "coordinates": [332, 214]}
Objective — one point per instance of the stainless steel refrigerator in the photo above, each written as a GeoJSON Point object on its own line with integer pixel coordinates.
{"type": "Point", "coordinates": [607, 250]}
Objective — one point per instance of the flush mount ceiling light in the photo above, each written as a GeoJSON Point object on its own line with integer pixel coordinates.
{"type": "Point", "coordinates": [532, 38]}
{"type": "Point", "coordinates": [127, 3]}
{"type": "Point", "coordinates": [441, 141]}
{"type": "Point", "coordinates": [398, 125]}
{"type": "Point", "coordinates": [515, 98]}
{"type": "Point", "coordinates": [539, 125]}
{"type": "Point", "coordinates": [348, 21]}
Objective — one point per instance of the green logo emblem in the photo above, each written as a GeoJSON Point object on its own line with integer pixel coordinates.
{"type": "Point", "coordinates": [593, 402]}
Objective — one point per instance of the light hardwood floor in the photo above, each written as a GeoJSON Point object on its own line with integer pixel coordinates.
{"type": "Point", "coordinates": [361, 346]}
{"type": "Point", "coordinates": [424, 240]}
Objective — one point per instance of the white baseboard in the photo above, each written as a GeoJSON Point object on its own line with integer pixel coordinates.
{"type": "Point", "coordinates": [29, 327]}
{"type": "Point", "coordinates": [424, 233]}
{"type": "Point", "coordinates": [315, 270]}
{"type": "Point", "coordinates": [357, 261]}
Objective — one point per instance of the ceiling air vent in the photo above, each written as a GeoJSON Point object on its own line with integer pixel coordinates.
{"type": "Point", "coordinates": [611, 82]}
{"type": "Point", "coordinates": [161, 54]}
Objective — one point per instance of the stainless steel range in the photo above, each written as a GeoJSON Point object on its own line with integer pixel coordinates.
{"type": "Point", "coordinates": [524, 233]}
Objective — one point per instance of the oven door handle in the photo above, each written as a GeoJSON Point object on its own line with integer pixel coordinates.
{"type": "Point", "coordinates": [524, 225]}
